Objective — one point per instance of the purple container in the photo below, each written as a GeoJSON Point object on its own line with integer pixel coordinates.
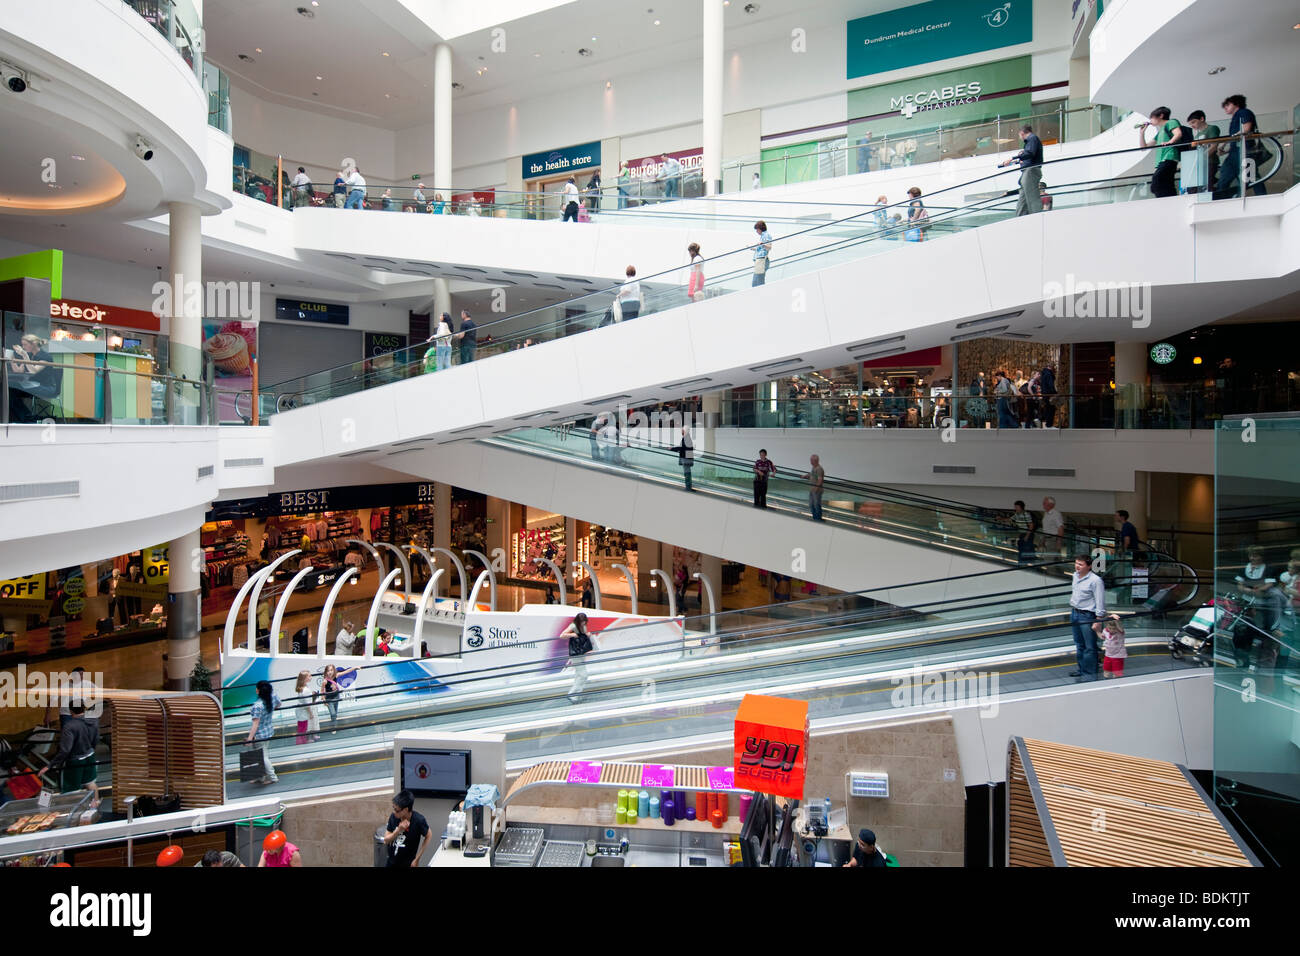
{"type": "Point", "coordinates": [690, 813]}
{"type": "Point", "coordinates": [666, 812]}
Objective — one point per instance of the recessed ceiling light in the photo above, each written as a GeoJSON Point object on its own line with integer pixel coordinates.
{"type": "Point", "coordinates": [315, 3]}
{"type": "Point", "coordinates": [320, 77]}
{"type": "Point", "coordinates": [303, 11]}
{"type": "Point", "coordinates": [481, 70]}
{"type": "Point", "coordinates": [593, 39]}
{"type": "Point", "coordinates": [257, 50]}
{"type": "Point", "coordinates": [536, 54]}
{"type": "Point", "coordinates": [609, 85]}
{"type": "Point", "coordinates": [656, 23]}
{"type": "Point", "coordinates": [385, 53]}
{"type": "Point", "coordinates": [1217, 70]}
{"type": "Point", "coordinates": [79, 158]}
{"type": "Point", "coordinates": [584, 52]}
{"type": "Point", "coordinates": [388, 96]}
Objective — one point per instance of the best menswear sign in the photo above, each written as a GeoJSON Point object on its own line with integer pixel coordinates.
{"type": "Point", "coordinates": [936, 30]}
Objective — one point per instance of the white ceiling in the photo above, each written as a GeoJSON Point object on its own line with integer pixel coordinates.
{"type": "Point", "coordinates": [1254, 40]}
{"type": "Point", "coordinates": [345, 41]}
{"type": "Point", "coordinates": [51, 169]}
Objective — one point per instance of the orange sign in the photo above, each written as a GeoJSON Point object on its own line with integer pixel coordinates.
{"type": "Point", "coordinates": [104, 315]}
{"type": "Point", "coordinates": [771, 747]}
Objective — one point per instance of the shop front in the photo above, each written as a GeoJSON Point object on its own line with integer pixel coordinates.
{"type": "Point", "coordinates": [667, 176]}
{"type": "Point", "coordinates": [546, 173]}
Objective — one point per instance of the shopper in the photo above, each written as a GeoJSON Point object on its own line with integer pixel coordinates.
{"type": "Point", "coordinates": [695, 279]}
{"type": "Point", "coordinates": [340, 190]}
{"type": "Point", "coordinates": [1230, 159]}
{"type": "Point", "coordinates": [1003, 391]}
{"type": "Point", "coordinates": [1023, 522]}
{"type": "Point", "coordinates": [467, 337]}
{"type": "Point", "coordinates": [685, 456]}
{"type": "Point", "coordinates": [864, 153]}
{"type": "Point", "coordinates": [569, 200]}
{"type": "Point", "coordinates": [630, 296]}
{"type": "Point", "coordinates": [301, 188]}
{"type": "Point", "coordinates": [624, 180]}
{"type": "Point", "coordinates": [1047, 386]}
{"type": "Point", "coordinates": [593, 435]}
{"type": "Point", "coordinates": [593, 192]}
{"type": "Point", "coordinates": [1111, 634]}
{"type": "Point", "coordinates": [756, 182]}
{"type": "Point", "coordinates": [1087, 605]}
{"type": "Point", "coordinates": [439, 205]}
{"type": "Point", "coordinates": [762, 252]}
{"type": "Point", "coordinates": [263, 728]}
{"type": "Point", "coordinates": [277, 851]}
{"type": "Point", "coordinates": [588, 598]}
{"type": "Point", "coordinates": [305, 710]}
{"type": "Point", "coordinates": [763, 470]}
{"type": "Point", "coordinates": [346, 640]}
{"type": "Point", "coordinates": [1200, 166]}
{"type": "Point", "coordinates": [672, 174]}
{"type": "Point", "coordinates": [865, 854]}
{"type": "Point", "coordinates": [580, 644]}
{"type": "Point", "coordinates": [1030, 160]}
{"type": "Point", "coordinates": [430, 361]}
{"type": "Point", "coordinates": [609, 444]}
{"type": "Point", "coordinates": [76, 755]}
{"type": "Point", "coordinates": [1053, 527]}
{"type": "Point", "coordinates": [331, 685]}
{"type": "Point", "coordinates": [1044, 198]}
{"type": "Point", "coordinates": [220, 859]}
{"type": "Point", "coordinates": [356, 190]}
{"type": "Point", "coordinates": [417, 197]}
{"type": "Point", "coordinates": [1126, 540]}
{"type": "Point", "coordinates": [879, 215]}
{"type": "Point", "coordinates": [918, 217]}
{"type": "Point", "coordinates": [442, 341]}
{"type": "Point", "coordinates": [1169, 132]}
{"type": "Point", "coordinates": [386, 197]}
{"type": "Point", "coordinates": [407, 834]}
{"type": "Point", "coordinates": [816, 481]}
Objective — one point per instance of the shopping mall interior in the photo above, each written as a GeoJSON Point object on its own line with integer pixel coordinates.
{"type": "Point", "coordinates": [891, 470]}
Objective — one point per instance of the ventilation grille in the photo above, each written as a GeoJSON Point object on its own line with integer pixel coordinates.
{"type": "Point", "coordinates": [43, 489]}
{"type": "Point", "coordinates": [206, 471]}
{"type": "Point", "coordinates": [1051, 472]}
{"type": "Point", "coordinates": [953, 469]}
{"type": "Point", "coordinates": [243, 462]}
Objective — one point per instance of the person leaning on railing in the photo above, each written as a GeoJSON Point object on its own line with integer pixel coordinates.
{"type": "Point", "coordinates": [32, 375]}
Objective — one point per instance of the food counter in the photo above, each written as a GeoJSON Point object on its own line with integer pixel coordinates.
{"type": "Point", "coordinates": [58, 810]}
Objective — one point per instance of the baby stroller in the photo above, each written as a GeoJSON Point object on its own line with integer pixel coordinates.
{"type": "Point", "coordinates": [1223, 616]}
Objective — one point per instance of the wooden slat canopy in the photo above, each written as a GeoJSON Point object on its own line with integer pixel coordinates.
{"type": "Point", "coordinates": [1072, 806]}
{"type": "Point", "coordinates": [168, 740]}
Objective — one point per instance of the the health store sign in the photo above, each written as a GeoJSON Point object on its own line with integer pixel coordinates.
{"type": "Point", "coordinates": [938, 30]}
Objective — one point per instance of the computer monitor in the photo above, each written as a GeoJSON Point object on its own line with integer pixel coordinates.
{"type": "Point", "coordinates": [436, 773]}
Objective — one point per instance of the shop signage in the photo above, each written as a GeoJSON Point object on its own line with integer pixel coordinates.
{"type": "Point", "coordinates": [146, 591]}
{"type": "Point", "coordinates": [584, 771]}
{"type": "Point", "coordinates": [937, 30]}
{"type": "Point", "coordinates": [771, 745]}
{"type": "Point", "coordinates": [313, 500]}
{"type": "Point", "coordinates": [1163, 353]}
{"type": "Point", "coordinates": [721, 778]}
{"type": "Point", "coordinates": [650, 168]}
{"type": "Point", "coordinates": [657, 775]}
{"type": "Point", "coordinates": [952, 98]}
{"type": "Point", "coordinates": [109, 315]}
{"type": "Point", "coordinates": [300, 310]}
{"type": "Point", "coordinates": [156, 568]}
{"type": "Point", "coordinates": [30, 587]}
{"type": "Point", "coordinates": [557, 162]}
{"type": "Point", "coordinates": [381, 343]}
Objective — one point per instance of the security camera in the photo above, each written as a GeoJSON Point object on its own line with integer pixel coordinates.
{"type": "Point", "coordinates": [142, 148]}
{"type": "Point", "coordinates": [17, 79]}
{"type": "Point", "coordinates": [17, 84]}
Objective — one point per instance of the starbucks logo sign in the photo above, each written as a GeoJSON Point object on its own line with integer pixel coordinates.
{"type": "Point", "coordinates": [1163, 353]}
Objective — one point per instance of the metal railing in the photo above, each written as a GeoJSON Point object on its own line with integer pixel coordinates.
{"type": "Point", "coordinates": [29, 398]}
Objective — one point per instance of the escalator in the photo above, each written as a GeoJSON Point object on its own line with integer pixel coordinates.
{"type": "Point", "coordinates": [540, 367]}
{"type": "Point", "coordinates": [845, 654]}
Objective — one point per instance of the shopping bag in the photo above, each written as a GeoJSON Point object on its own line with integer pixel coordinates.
{"type": "Point", "coordinates": [912, 235]}
{"type": "Point", "coordinates": [250, 765]}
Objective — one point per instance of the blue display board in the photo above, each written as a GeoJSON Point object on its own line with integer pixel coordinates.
{"type": "Point", "coordinates": [557, 162]}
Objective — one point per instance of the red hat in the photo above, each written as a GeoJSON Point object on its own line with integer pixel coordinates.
{"type": "Point", "coordinates": [274, 842]}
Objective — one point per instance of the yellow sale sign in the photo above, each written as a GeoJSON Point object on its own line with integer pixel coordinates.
{"type": "Point", "coordinates": [156, 567]}
{"type": "Point", "coordinates": [31, 587]}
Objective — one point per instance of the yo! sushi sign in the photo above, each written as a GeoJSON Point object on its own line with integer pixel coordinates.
{"type": "Point", "coordinates": [771, 746]}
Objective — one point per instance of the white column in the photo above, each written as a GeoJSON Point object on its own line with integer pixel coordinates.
{"type": "Point", "coordinates": [442, 171]}
{"type": "Point", "coordinates": [712, 87]}
{"type": "Point", "coordinates": [184, 557]}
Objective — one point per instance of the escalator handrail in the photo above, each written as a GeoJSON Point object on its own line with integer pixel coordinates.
{"type": "Point", "coordinates": [675, 272]}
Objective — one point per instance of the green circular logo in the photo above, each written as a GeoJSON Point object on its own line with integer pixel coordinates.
{"type": "Point", "coordinates": [1163, 354]}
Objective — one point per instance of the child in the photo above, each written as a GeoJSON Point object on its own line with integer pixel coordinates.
{"type": "Point", "coordinates": [1112, 635]}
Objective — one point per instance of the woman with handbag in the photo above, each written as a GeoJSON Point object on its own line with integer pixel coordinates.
{"type": "Point", "coordinates": [442, 341]}
{"type": "Point", "coordinates": [580, 644]}
{"type": "Point", "coordinates": [918, 220]}
{"type": "Point", "coordinates": [263, 728]}
{"type": "Point", "coordinates": [762, 252]}
{"type": "Point", "coordinates": [305, 711]}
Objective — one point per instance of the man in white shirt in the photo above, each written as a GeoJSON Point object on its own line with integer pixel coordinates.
{"type": "Point", "coordinates": [356, 190]}
{"type": "Point", "coordinates": [1087, 606]}
{"type": "Point", "coordinates": [421, 204]}
{"type": "Point", "coordinates": [1053, 526]}
{"type": "Point", "coordinates": [301, 188]}
{"type": "Point", "coordinates": [346, 639]}
{"type": "Point", "coordinates": [570, 200]}
{"type": "Point", "coordinates": [672, 173]}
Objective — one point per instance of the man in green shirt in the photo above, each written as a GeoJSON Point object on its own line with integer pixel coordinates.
{"type": "Point", "coordinates": [1168, 132]}
{"type": "Point", "coordinates": [1199, 174]}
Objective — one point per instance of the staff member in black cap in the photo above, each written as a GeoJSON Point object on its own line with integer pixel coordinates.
{"type": "Point", "coordinates": [865, 853]}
